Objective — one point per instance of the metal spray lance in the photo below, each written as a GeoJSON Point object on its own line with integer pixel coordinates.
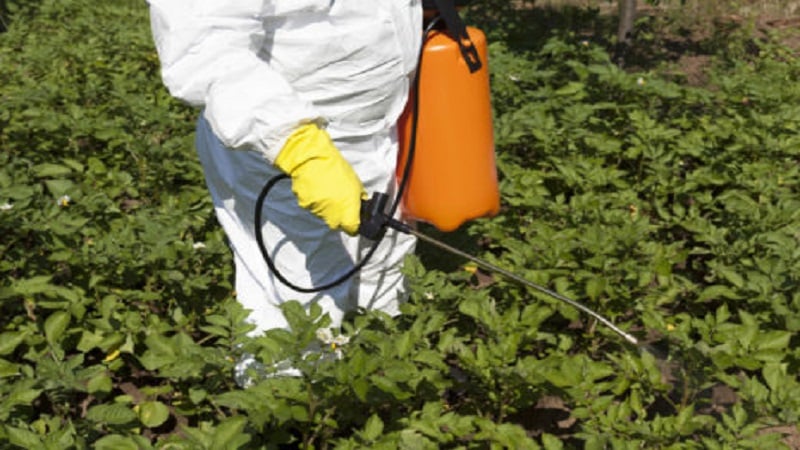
{"type": "Point", "coordinates": [374, 222]}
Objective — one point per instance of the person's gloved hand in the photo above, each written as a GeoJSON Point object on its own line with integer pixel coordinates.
{"type": "Point", "coordinates": [323, 181]}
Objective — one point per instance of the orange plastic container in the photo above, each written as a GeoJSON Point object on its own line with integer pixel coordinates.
{"type": "Point", "coordinates": [453, 176]}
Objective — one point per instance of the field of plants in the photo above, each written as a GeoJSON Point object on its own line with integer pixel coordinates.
{"type": "Point", "coordinates": [668, 199]}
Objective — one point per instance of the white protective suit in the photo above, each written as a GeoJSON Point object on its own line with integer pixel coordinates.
{"type": "Point", "coordinates": [261, 68]}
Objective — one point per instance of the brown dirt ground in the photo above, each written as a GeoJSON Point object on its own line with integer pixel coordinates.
{"type": "Point", "coordinates": [694, 65]}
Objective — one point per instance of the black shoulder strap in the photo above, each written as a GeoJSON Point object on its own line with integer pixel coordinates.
{"type": "Point", "coordinates": [453, 22]}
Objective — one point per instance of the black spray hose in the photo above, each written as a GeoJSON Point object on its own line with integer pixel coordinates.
{"type": "Point", "coordinates": [370, 218]}
{"type": "Point", "coordinates": [271, 264]}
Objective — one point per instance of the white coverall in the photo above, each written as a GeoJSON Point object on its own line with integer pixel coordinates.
{"type": "Point", "coordinates": [261, 68]}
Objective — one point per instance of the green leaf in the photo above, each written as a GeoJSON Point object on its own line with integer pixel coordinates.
{"type": "Point", "coordinates": [295, 315]}
{"type": "Point", "coordinates": [60, 187]}
{"type": "Point", "coordinates": [774, 374]}
{"type": "Point", "coordinates": [594, 443]}
{"type": "Point", "coordinates": [55, 325]}
{"type": "Point", "coordinates": [571, 88]}
{"type": "Point", "coordinates": [595, 287]}
{"type": "Point", "coordinates": [772, 340]}
{"type": "Point", "coordinates": [22, 395]}
{"type": "Point", "coordinates": [723, 314]}
{"type": "Point", "coordinates": [113, 414]}
{"type": "Point", "coordinates": [50, 170]}
{"type": "Point", "coordinates": [28, 287]}
{"type": "Point", "coordinates": [23, 438]}
{"type": "Point", "coordinates": [430, 358]}
{"type": "Point", "coordinates": [161, 351]}
{"type": "Point", "coordinates": [731, 275]}
{"type": "Point", "coordinates": [373, 429]}
{"type": "Point", "coordinates": [717, 292]}
{"type": "Point", "coordinates": [403, 344]}
{"type": "Point", "coordinates": [99, 383]}
{"type": "Point", "coordinates": [8, 369]}
{"type": "Point", "coordinates": [116, 442]}
{"type": "Point", "coordinates": [299, 413]}
{"type": "Point", "coordinates": [90, 339]}
{"type": "Point", "coordinates": [390, 387]}
{"type": "Point", "coordinates": [10, 340]}
{"type": "Point", "coordinates": [153, 413]}
{"type": "Point", "coordinates": [551, 442]}
{"type": "Point", "coordinates": [229, 434]}
{"type": "Point", "coordinates": [19, 193]}
{"type": "Point", "coordinates": [60, 438]}
{"type": "Point", "coordinates": [684, 416]}
{"type": "Point", "coordinates": [197, 395]}
{"type": "Point", "coordinates": [360, 387]}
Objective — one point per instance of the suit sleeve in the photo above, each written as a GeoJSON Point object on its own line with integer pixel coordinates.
{"type": "Point", "coordinates": [209, 58]}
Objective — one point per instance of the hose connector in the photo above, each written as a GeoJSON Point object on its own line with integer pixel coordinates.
{"type": "Point", "coordinates": [374, 219]}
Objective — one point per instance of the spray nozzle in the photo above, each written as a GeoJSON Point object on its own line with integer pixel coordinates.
{"type": "Point", "coordinates": [374, 219]}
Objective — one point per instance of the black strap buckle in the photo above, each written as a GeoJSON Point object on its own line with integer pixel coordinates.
{"type": "Point", "coordinates": [453, 22]}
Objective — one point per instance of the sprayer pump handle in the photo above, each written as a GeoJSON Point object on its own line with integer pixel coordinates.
{"type": "Point", "coordinates": [375, 221]}
{"type": "Point", "coordinates": [373, 218]}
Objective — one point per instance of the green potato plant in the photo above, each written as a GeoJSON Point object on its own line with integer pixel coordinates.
{"type": "Point", "coordinates": [671, 208]}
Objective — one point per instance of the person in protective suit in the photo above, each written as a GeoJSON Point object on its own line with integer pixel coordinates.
{"type": "Point", "coordinates": [312, 89]}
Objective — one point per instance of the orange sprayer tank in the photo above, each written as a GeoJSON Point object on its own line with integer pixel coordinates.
{"type": "Point", "coordinates": [453, 177]}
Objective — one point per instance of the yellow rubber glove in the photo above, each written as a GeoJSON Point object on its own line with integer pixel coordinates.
{"type": "Point", "coordinates": [323, 181]}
